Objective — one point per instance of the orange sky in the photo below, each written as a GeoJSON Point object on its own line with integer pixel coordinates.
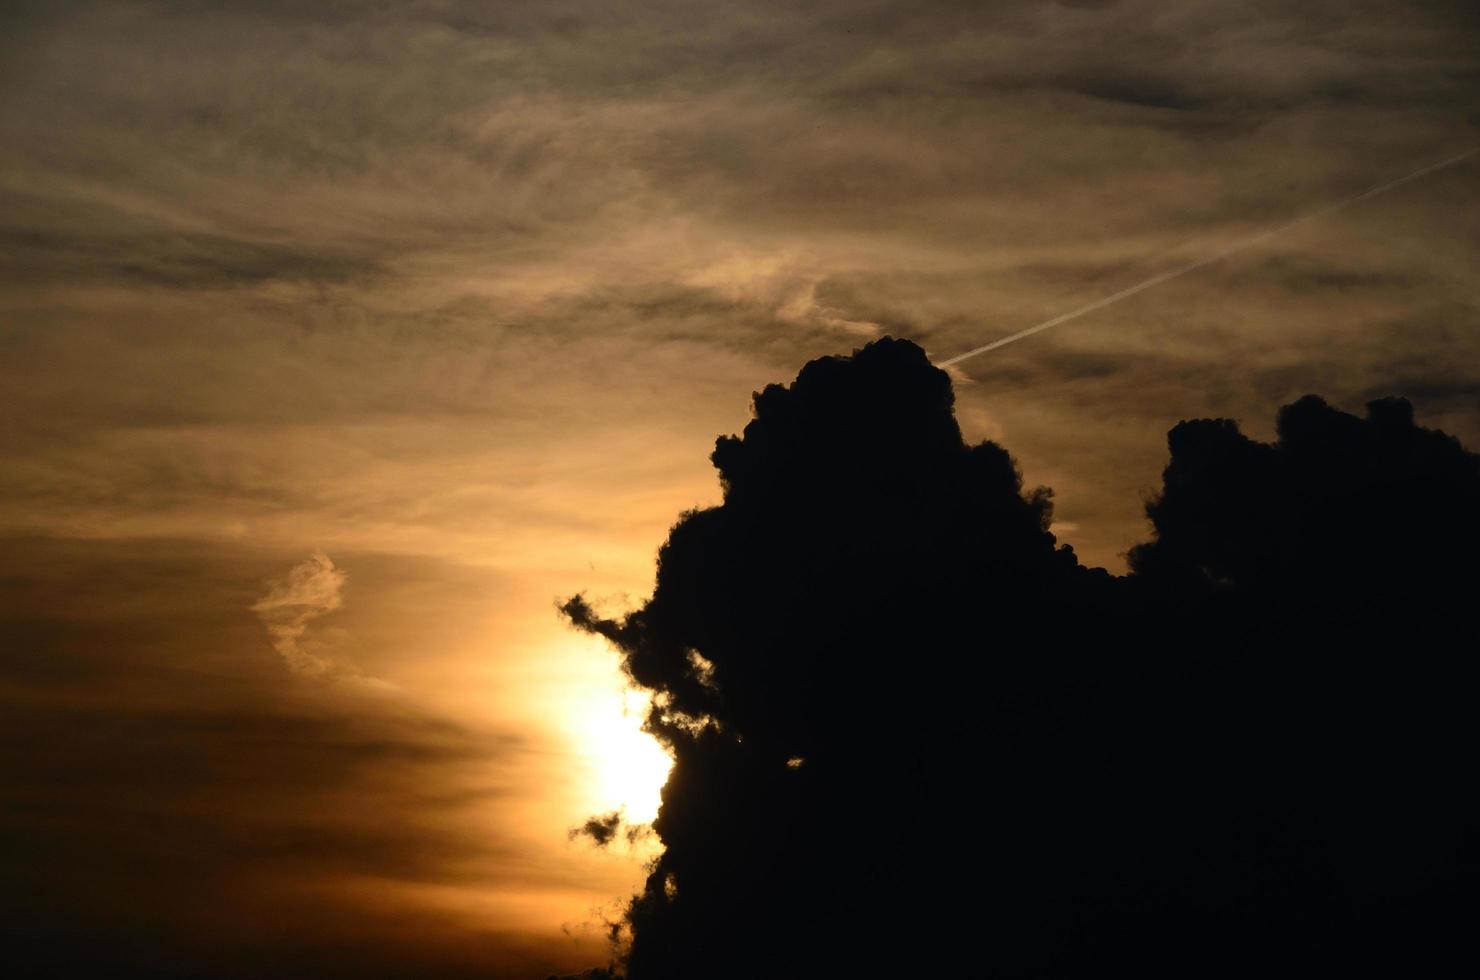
{"type": "Point", "coordinates": [457, 296]}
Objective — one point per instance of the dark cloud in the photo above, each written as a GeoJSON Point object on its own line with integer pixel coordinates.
{"type": "Point", "coordinates": [914, 736]}
{"type": "Point", "coordinates": [1349, 517]}
{"type": "Point", "coordinates": [601, 830]}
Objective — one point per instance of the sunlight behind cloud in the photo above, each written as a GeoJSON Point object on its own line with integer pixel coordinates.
{"type": "Point", "coordinates": [619, 766]}
{"type": "Point", "coordinates": [629, 766]}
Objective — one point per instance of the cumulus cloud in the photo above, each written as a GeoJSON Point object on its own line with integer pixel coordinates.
{"type": "Point", "coordinates": [1015, 765]}
{"type": "Point", "coordinates": [1350, 518]}
{"type": "Point", "coordinates": [858, 531]}
{"type": "Point", "coordinates": [311, 589]}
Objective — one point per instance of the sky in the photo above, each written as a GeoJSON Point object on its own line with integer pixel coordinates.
{"type": "Point", "coordinates": [340, 342]}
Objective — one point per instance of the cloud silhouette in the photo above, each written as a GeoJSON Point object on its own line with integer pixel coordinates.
{"type": "Point", "coordinates": [1348, 517]}
{"type": "Point", "coordinates": [601, 830]}
{"type": "Point", "coordinates": [913, 734]}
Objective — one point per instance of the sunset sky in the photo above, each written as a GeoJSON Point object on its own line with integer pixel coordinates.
{"type": "Point", "coordinates": [340, 341]}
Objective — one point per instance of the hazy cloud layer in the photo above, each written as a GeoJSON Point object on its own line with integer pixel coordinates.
{"type": "Point", "coordinates": [364, 211]}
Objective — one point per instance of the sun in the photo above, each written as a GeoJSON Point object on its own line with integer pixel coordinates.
{"type": "Point", "coordinates": [618, 765]}
{"type": "Point", "coordinates": [628, 764]}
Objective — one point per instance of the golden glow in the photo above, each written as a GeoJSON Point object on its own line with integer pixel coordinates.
{"type": "Point", "coordinates": [618, 766]}
{"type": "Point", "coordinates": [629, 767]}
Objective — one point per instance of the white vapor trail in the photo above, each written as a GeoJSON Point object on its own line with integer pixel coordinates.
{"type": "Point", "coordinates": [1236, 247]}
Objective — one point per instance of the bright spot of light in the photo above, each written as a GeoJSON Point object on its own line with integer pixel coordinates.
{"type": "Point", "coordinates": [612, 764]}
{"type": "Point", "coordinates": [630, 766]}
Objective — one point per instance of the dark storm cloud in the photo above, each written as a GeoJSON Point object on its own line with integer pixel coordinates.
{"type": "Point", "coordinates": [914, 737]}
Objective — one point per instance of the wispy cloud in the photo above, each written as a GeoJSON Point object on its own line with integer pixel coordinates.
{"type": "Point", "coordinates": [311, 589]}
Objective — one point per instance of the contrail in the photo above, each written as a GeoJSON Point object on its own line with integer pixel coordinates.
{"type": "Point", "coordinates": [1236, 247]}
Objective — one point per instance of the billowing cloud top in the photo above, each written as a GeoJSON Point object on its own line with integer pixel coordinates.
{"type": "Point", "coordinates": [913, 737]}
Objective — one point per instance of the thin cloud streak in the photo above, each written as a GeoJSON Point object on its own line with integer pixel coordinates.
{"type": "Point", "coordinates": [1234, 249]}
